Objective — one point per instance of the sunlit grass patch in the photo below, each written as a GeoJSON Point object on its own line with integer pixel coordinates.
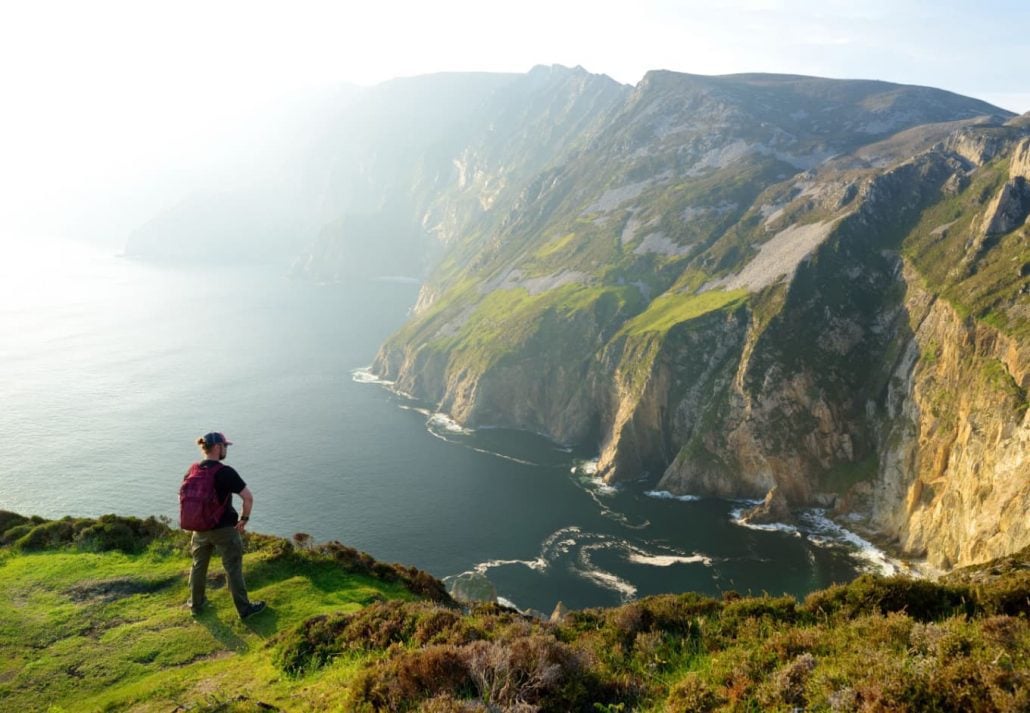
{"type": "Point", "coordinates": [675, 308]}
{"type": "Point", "coordinates": [110, 630]}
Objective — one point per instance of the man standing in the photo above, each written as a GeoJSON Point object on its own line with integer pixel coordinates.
{"type": "Point", "coordinates": [216, 525]}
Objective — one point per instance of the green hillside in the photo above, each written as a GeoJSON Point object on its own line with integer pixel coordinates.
{"type": "Point", "coordinates": [92, 618]}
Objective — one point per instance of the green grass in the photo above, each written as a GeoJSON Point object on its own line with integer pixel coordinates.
{"type": "Point", "coordinates": [674, 308]}
{"type": "Point", "coordinates": [83, 631]}
{"type": "Point", "coordinates": [554, 247]}
{"type": "Point", "coordinates": [504, 322]}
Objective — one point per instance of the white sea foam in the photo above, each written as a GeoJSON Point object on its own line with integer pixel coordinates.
{"type": "Point", "coordinates": [588, 570]}
{"type": "Point", "coordinates": [607, 512]}
{"type": "Point", "coordinates": [668, 560]}
{"type": "Point", "coordinates": [666, 495]}
{"type": "Point", "coordinates": [505, 602]}
{"type": "Point", "coordinates": [828, 533]}
{"type": "Point", "coordinates": [539, 565]}
{"type": "Point", "coordinates": [585, 467]}
{"type": "Point", "coordinates": [513, 459]}
{"type": "Point", "coordinates": [595, 487]}
{"type": "Point", "coordinates": [564, 546]}
{"type": "Point", "coordinates": [824, 532]}
{"type": "Point", "coordinates": [424, 411]}
{"type": "Point", "coordinates": [558, 543]}
{"type": "Point", "coordinates": [737, 517]}
{"type": "Point", "coordinates": [558, 534]}
{"type": "Point", "coordinates": [447, 423]}
{"type": "Point", "coordinates": [364, 375]}
{"type": "Point", "coordinates": [610, 581]}
{"type": "Point", "coordinates": [601, 487]}
{"type": "Point", "coordinates": [441, 425]}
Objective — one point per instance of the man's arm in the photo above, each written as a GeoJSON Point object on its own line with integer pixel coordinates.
{"type": "Point", "coordinates": [248, 503]}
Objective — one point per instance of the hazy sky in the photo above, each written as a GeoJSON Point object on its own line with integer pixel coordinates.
{"type": "Point", "coordinates": [96, 92]}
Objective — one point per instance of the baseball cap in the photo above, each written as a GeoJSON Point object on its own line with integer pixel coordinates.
{"type": "Point", "coordinates": [214, 438]}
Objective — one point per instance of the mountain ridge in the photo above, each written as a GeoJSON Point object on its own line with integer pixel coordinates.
{"type": "Point", "coordinates": [716, 280]}
{"type": "Point", "coordinates": [681, 232]}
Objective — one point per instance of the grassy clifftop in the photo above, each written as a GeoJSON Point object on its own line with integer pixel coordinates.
{"type": "Point", "coordinates": [91, 618]}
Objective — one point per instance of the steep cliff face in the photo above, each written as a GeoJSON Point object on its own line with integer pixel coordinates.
{"type": "Point", "coordinates": [795, 413]}
{"type": "Point", "coordinates": [954, 477]}
{"type": "Point", "coordinates": [667, 386]}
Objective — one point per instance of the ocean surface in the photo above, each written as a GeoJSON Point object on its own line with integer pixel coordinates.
{"type": "Point", "coordinates": [111, 368]}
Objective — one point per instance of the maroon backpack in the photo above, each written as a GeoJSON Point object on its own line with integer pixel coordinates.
{"type": "Point", "coordinates": [199, 507]}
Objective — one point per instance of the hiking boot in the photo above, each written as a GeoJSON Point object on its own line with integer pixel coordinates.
{"type": "Point", "coordinates": [253, 609]}
{"type": "Point", "coordinates": [198, 610]}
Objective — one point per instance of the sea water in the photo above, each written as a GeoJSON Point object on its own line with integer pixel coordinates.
{"type": "Point", "coordinates": [111, 368]}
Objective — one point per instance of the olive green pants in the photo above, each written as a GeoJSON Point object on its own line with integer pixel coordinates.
{"type": "Point", "coordinates": [229, 544]}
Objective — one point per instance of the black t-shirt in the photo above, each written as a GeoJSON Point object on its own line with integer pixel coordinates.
{"type": "Point", "coordinates": [227, 482]}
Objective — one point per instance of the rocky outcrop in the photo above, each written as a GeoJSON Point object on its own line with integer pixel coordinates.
{"type": "Point", "coordinates": [775, 508]}
{"type": "Point", "coordinates": [1019, 166]}
{"type": "Point", "coordinates": [977, 147]}
{"type": "Point", "coordinates": [1009, 209]}
{"type": "Point", "coordinates": [472, 587]}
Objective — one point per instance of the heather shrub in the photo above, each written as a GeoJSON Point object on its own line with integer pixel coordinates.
{"type": "Point", "coordinates": [114, 532]}
{"type": "Point", "coordinates": [629, 620]}
{"type": "Point", "coordinates": [12, 519]}
{"type": "Point", "coordinates": [679, 613]}
{"type": "Point", "coordinates": [48, 535]}
{"type": "Point", "coordinates": [793, 642]}
{"type": "Point", "coordinates": [378, 626]}
{"type": "Point", "coordinates": [740, 670]}
{"type": "Point", "coordinates": [311, 644]}
{"type": "Point", "coordinates": [750, 617]}
{"type": "Point", "coordinates": [443, 626]}
{"type": "Point", "coordinates": [778, 609]}
{"type": "Point", "coordinates": [651, 649]}
{"type": "Point", "coordinates": [941, 641]}
{"type": "Point", "coordinates": [1005, 631]}
{"type": "Point", "coordinates": [651, 634]}
{"type": "Point", "coordinates": [536, 669]}
{"type": "Point", "coordinates": [1010, 595]}
{"type": "Point", "coordinates": [920, 599]}
{"type": "Point", "coordinates": [403, 681]}
{"type": "Point", "coordinates": [104, 536]}
{"type": "Point", "coordinates": [534, 672]}
{"type": "Point", "coordinates": [692, 693]}
{"type": "Point", "coordinates": [15, 533]}
{"type": "Point", "coordinates": [108, 532]}
{"type": "Point", "coordinates": [786, 686]}
{"type": "Point", "coordinates": [446, 703]}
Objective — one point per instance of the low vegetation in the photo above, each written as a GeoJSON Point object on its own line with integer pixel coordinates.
{"type": "Point", "coordinates": [675, 308]}
{"type": "Point", "coordinates": [982, 276]}
{"type": "Point", "coordinates": [101, 627]}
